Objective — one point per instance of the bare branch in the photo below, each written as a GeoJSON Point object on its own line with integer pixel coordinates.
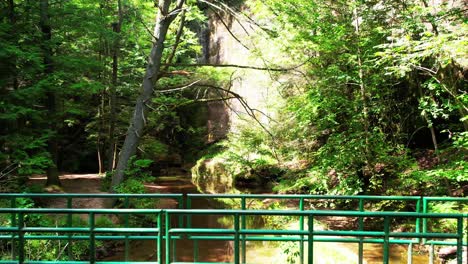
{"type": "Point", "coordinates": [234, 66]}
{"type": "Point", "coordinates": [250, 111]}
{"type": "Point", "coordinates": [180, 31]}
{"type": "Point", "coordinates": [229, 30]}
{"type": "Point", "coordinates": [155, 39]}
{"type": "Point", "coordinates": [178, 88]}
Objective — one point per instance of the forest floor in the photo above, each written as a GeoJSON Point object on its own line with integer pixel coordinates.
{"type": "Point", "coordinates": [72, 183]}
{"type": "Point", "coordinates": [91, 183]}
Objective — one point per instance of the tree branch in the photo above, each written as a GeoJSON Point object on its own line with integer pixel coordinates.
{"type": "Point", "coordinates": [180, 31]}
{"type": "Point", "coordinates": [233, 66]}
{"type": "Point", "coordinates": [229, 30]}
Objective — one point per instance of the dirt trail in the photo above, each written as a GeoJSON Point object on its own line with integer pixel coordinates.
{"type": "Point", "coordinates": [72, 183]}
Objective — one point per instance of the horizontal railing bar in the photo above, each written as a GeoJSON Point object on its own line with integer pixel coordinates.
{"type": "Point", "coordinates": [202, 230]}
{"type": "Point", "coordinates": [315, 213]}
{"type": "Point", "coordinates": [50, 262]}
{"type": "Point", "coordinates": [99, 262]}
{"type": "Point", "coordinates": [233, 212]}
{"type": "Point", "coordinates": [303, 196]}
{"type": "Point", "coordinates": [201, 262]}
{"type": "Point", "coordinates": [298, 238]}
{"type": "Point", "coordinates": [87, 229]}
{"type": "Point", "coordinates": [77, 262]}
{"type": "Point", "coordinates": [78, 211]}
{"type": "Point", "coordinates": [81, 237]}
{"type": "Point", "coordinates": [234, 196]}
{"type": "Point", "coordinates": [293, 237]}
{"type": "Point", "coordinates": [89, 195]}
{"type": "Point", "coordinates": [126, 230]}
{"type": "Point", "coordinates": [432, 198]}
{"type": "Point", "coordinates": [318, 232]}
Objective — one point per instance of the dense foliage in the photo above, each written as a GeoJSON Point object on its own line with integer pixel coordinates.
{"type": "Point", "coordinates": [380, 105]}
{"type": "Point", "coordinates": [371, 95]}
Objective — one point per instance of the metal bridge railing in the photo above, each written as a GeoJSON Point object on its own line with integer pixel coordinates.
{"type": "Point", "coordinates": [238, 234]}
{"type": "Point", "coordinates": [165, 234]}
{"type": "Point", "coordinates": [69, 198]}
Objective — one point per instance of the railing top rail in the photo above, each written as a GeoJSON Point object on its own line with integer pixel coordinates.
{"type": "Point", "coordinates": [234, 196]}
{"type": "Point", "coordinates": [79, 211]}
{"type": "Point", "coordinates": [444, 198]}
{"type": "Point", "coordinates": [316, 213]}
{"type": "Point", "coordinates": [89, 195]}
{"type": "Point", "coordinates": [234, 212]}
{"type": "Point", "coordinates": [313, 196]}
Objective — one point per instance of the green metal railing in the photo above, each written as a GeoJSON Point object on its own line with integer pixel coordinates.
{"type": "Point", "coordinates": [361, 199]}
{"type": "Point", "coordinates": [168, 232]}
{"type": "Point", "coordinates": [20, 233]}
{"type": "Point", "coordinates": [309, 235]}
{"type": "Point", "coordinates": [69, 198]}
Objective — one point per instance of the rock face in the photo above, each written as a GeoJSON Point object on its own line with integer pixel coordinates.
{"type": "Point", "coordinates": [217, 123]}
{"type": "Point", "coordinates": [226, 40]}
{"type": "Point", "coordinates": [210, 176]}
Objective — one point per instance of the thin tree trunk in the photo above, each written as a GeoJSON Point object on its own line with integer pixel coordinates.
{"type": "Point", "coordinates": [99, 134]}
{"type": "Point", "coordinates": [429, 123]}
{"type": "Point", "coordinates": [137, 123]}
{"type": "Point", "coordinates": [52, 171]}
{"type": "Point", "coordinates": [12, 18]}
{"type": "Point", "coordinates": [365, 110]}
{"type": "Point", "coordinates": [112, 91]}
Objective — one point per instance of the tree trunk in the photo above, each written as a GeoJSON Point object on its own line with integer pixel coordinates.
{"type": "Point", "coordinates": [52, 171]}
{"type": "Point", "coordinates": [137, 123]}
{"type": "Point", "coordinates": [12, 18]}
{"type": "Point", "coordinates": [365, 178]}
{"type": "Point", "coordinates": [112, 91]}
{"type": "Point", "coordinates": [99, 135]}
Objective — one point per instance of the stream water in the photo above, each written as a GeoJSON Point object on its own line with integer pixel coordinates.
{"type": "Point", "coordinates": [257, 252]}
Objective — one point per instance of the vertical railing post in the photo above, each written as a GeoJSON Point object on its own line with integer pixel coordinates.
{"type": "Point", "coordinates": [168, 237]}
{"type": "Point", "coordinates": [182, 199]}
{"type": "Point", "coordinates": [13, 224]}
{"type": "Point", "coordinates": [410, 253]}
{"type": "Point", "coordinates": [418, 220]}
{"type": "Point", "coordinates": [195, 250]}
{"type": "Point", "coordinates": [126, 220]}
{"type": "Point", "coordinates": [181, 205]}
{"type": "Point", "coordinates": [301, 228]}
{"type": "Point", "coordinates": [361, 228]}
{"type": "Point", "coordinates": [460, 240]}
{"type": "Point", "coordinates": [160, 238]}
{"type": "Point", "coordinates": [69, 224]}
{"type": "Point", "coordinates": [236, 238]}
{"type": "Point", "coordinates": [386, 255]}
{"type": "Point", "coordinates": [92, 239]}
{"type": "Point", "coordinates": [310, 239]}
{"type": "Point", "coordinates": [431, 254]}
{"type": "Point", "coordinates": [20, 238]}
{"type": "Point", "coordinates": [243, 226]}
{"type": "Point", "coordinates": [189, 206]}
{"type": "Point", "coordinates": [425, 210]}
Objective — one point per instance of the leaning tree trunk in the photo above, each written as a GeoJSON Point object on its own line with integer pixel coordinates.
{"type": "Point", "coordinates": [135, 130]}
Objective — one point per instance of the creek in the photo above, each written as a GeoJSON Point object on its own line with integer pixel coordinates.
{"type": "Point", "coordinates": [257, 252]}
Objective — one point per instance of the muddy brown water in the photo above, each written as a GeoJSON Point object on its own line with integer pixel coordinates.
{"type": "Point", "coordinates": [257, 252]}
